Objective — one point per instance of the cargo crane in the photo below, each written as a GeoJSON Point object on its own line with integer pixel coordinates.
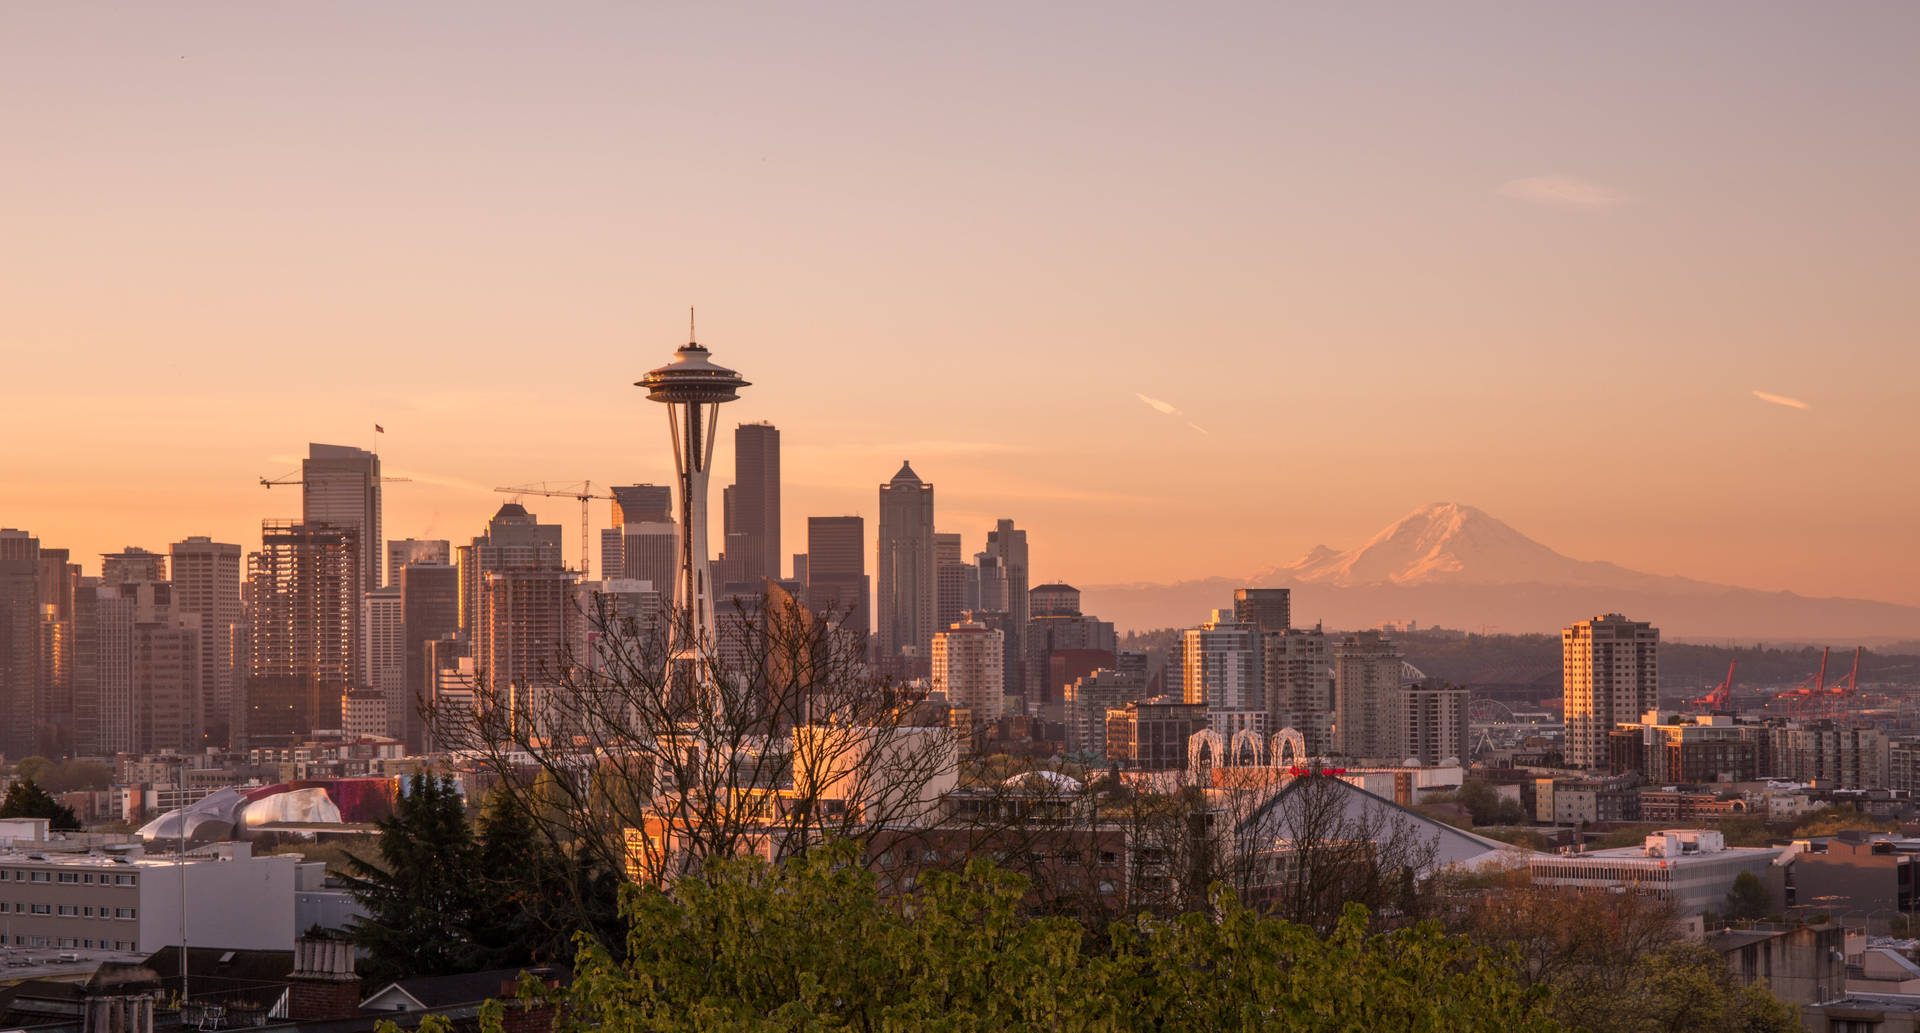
{"type": "Point", "coordinates": [1721, 698]}
{"type": "Point", "coordinates": [584, 492]}
{"type": "Point", "coordinates": [1815, 697]}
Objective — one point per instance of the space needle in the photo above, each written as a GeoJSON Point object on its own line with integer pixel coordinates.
{"type": "Point", "coordinates": [692, 388]}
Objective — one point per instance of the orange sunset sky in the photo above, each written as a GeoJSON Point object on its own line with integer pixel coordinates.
{"type": "Point", "coordinates": [1182, 288]}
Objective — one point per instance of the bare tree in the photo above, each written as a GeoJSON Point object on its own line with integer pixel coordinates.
{"type": "Point", "coordinates": [638, 758]}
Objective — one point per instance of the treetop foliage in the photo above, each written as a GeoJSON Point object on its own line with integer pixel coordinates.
{"type": "Point", "coordinates": [810, 945]}
{"type": "Point", "coordinates": [25, 799]}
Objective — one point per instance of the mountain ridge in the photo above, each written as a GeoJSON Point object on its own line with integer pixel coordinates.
{"type": "Point", "coordinates": [1455, 564]}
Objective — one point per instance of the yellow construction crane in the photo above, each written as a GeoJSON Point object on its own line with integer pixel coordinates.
{"type": "Point", "coordinates": [570, 490]}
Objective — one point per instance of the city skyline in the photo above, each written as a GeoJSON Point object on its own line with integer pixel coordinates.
{"type": "Point", "coordinates": [1540, 214]}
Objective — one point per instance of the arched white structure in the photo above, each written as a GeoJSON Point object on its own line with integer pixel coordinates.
{"type": "Point", "coordinates": [1247, 750]}
{"type": "Point", "coordinates": [1289, 748]}
{"type": "Point", "coordinates": [1410, 674]}
{"type": "Point", "coordinates": [1205, 750]}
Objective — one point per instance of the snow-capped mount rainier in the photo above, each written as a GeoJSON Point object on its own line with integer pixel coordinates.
{"type": "Point", "coordinates": [1458, 566]}
{"type": "Point", "coordinates": [1449, 542]}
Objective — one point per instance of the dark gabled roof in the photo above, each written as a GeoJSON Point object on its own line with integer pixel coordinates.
{"type": "Point", "coordinates": [1460, 838]}
{"type": "Point", "coordinates": [215, 963]}
{"type": "Point", "coordinates": [906, 474]}
{"type": "Point", "coordinates": [435, 992]}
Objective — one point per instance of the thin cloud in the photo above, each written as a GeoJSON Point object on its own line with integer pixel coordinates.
{"type": "Point", "coordinates": [1791, 403]}
{"type": "Point", "coordinates": [1167, 409]}
{"type": "Point", "coordinates": [1563, 191]}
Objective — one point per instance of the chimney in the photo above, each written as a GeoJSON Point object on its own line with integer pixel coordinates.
{"type": "Point", "coordinates": [119, 1013]}
{"type": "Point", "coordinates": [323, 984]}
{"type": "Point", "coordinates": [537, 1014]}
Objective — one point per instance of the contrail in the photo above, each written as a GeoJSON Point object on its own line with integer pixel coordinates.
{"type": "Point", "coordinates": [1162, 407]}
{"type": "Point", "coordinates": [1791, 403]}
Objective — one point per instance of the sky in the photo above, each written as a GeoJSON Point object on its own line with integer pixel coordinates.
{"type": "Point", "coordinates": [1182, 289]}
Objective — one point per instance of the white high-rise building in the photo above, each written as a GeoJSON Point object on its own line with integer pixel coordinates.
{"type": "Point", "coordinates": [968, 667]}
{"type": "Point", "coordinates": [1220, 667]}
{"type": "Point", "coordinates": [383, 666]}
{"type": "Point", "coordinates": [1366, 674]}
{"type": "Point", "coordinates": [415, 550]}
{"type": "Point", "coordinates": [1610, 674]}
{"type": "Point", "coordinates": [1299, 684]}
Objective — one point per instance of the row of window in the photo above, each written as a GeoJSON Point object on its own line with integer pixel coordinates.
{"type": "Point", "coordinates": [70, 878]}
{"type": "Point", "coordinates": [68, 941]}
{"type": "Point", "coordinates": [67, 910]}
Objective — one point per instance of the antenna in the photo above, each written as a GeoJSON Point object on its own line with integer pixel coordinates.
{"type": "Point", "coordinates": [690, 336]}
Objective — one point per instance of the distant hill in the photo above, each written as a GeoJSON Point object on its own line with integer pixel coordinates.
{"type": "Point", "coordinates": [1455, 565]}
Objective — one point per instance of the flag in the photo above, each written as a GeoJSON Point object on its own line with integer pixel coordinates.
{"type": "Point", "coordinates": [377, 429]}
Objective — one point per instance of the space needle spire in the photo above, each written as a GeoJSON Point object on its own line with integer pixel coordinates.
{"type": "Point", "coordinates": [692, 387]}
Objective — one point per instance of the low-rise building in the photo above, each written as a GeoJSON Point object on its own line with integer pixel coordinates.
{"type": "Point", "coordinates": [1857, 873]}
{"type": "Point", "coordinates": [1693, 868]}
{"type": "Point", "coordinates": [131, 900]}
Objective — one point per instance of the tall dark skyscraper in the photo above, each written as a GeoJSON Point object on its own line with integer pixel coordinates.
{"type": "Point", "coordinates": [59, 579]}
{"type": "Point", "coordinates": [837, 584]}
{"type": "Point", "coordinates": [1003, 586]}
{"type": "Point", "coordinates": [907, 597]}
{"type": "Point", "coordinates": [430, 611]}
{"type": "Point", "coordinates": [20, 700]}
{"type": "Point", "coordinates": [754, 512]}
{"type": "Point", "coordinates": [341, 487]}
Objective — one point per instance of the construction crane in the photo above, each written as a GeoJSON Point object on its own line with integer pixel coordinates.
{"type": "Point", "coordinates": [293, 478]}
{"type": "Point", "coordinates": [1721, 698]}
{"type": "Point", "coordinates": [584, 492]}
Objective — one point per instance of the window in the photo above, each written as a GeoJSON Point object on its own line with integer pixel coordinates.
{"type": "Point", "coordinates": [120, 880]}
{"type": "Point", "coordinates": [40, 877]}
{"type": "Point", "coordinates": [68, 941]}
{"type": "Point", "coordinates": [87, 911]}
{"type": "Point", "coordinates": [5, 907]}
{"type": "Point", "coordinates": [88, 878]}
{"type": "Point", "coordinates": [123, 912]}
{"type": "Point", "coordinates": [71, 878]}
{"type": "Point", "coordinates": [40, 909]}
{"type": "Point", "coordinates": [68, 910]}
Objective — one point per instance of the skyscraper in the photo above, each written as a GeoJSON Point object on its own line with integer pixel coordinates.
{"type": "Point", "coordinates": [693, 388]}
{"type": "Point", "coordinates": [1058, 628]}
{"type": "Point", "coordinates": [905, 573]}
{"type": "Point", "coordinates": [514, 540]}
{"type": "Point", "coordinates": [837, 585]}
{"type": "Point", "coordinates": [520, 638]}
{"type": "Point", "coordinates": [341, 487]}
{"type": "Point", "coordinates": [1366, 676]}
{"type": "Point", "coordinates": [303, 629]}
{"type": "Point", "coordinates": [642, 541]}
{"type": "Point", "coordinates": [132, 564]}
{"type": "Point", "coordinates": [20, 643]}
{"type": "Point", "coordinates": [956, 582]}
{"type": "Point", "coordinates": [1003, 583]}
{"type": "Point", "coordinates": [206, 583]}
{"type": "Point", "coordinates": [1431, 723]}
{"type": "Point", "coordinates": [1610, 668]}
{"type": "Point", "coordinates": [1298, 678]}
{"type": "Point", "coordinates": [1219, 667]}
{"type": "Point", "coordinates": [966, 665]}
{"type": "Point", "coordinates": [1267, 609]}
{"type": "Point", "coordinates": [383, 665]}
{"type": "Point", "coordinates": [415, 550]}
{"type": "Point", "coordinates": [430, 613]}
{"type": "Point", "coordinates": [59, 579]}
{"type": "Point", "coordinates": [755, 512]}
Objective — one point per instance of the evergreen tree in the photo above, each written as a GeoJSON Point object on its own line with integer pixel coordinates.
{"type": "Point", "coordinates": [25, 799]}
{"type": "Point", "coordinates": [1748, 899]}
{"type": "Point", "coordinates": [422, 895]}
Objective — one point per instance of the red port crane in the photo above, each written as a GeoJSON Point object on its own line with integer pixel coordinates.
{"type": "Point", "coordinates": [1721, 698]}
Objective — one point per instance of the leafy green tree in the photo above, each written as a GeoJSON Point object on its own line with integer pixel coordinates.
{"type": "Point", "coordinates": [25, 799]}
{"type": "Point", "coordinates": [810, 945]}
{"type": "Point", "coordinates": [1828, 820]}
{"type": "Point", "coordinates": [422, 893]}
{"type": "Point", "coordinates": [32, 768]}
{"type": "Point", "coordinates": [1748, 900]}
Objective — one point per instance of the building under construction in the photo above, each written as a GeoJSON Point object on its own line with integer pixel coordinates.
{"type": "Point", "coordinates": [303, 630]}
